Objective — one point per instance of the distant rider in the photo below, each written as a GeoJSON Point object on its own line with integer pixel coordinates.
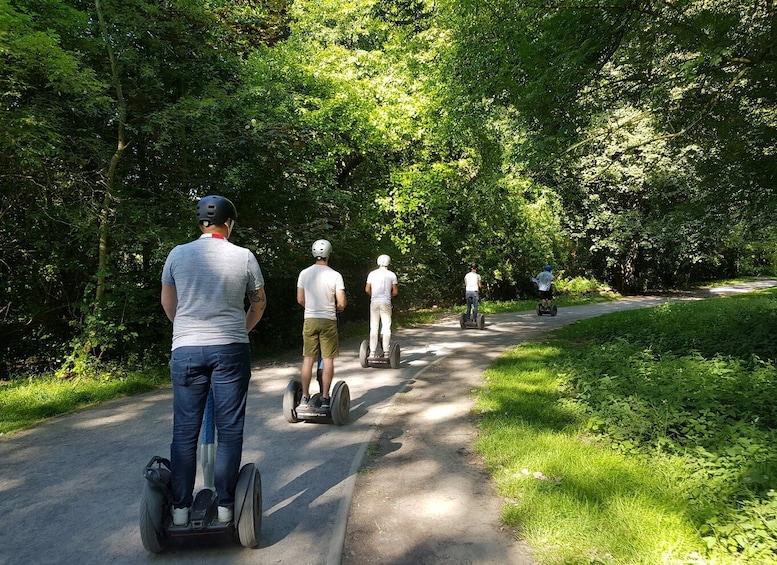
{"type": "Point", "coordinates": [544, 284]}
{"type": "Point", "coordinates": [472, 286]}
{"type": "Point", "coordinates": [382, 286]}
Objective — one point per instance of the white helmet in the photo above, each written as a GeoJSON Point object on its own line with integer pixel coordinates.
{"type": "Point", "coordinates": [321, 249]}
{"type": "Point", "coordinates": [384, 261]}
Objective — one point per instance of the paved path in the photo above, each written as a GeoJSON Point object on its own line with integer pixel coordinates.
{"type": "Point", "coordinates": [70, 488]}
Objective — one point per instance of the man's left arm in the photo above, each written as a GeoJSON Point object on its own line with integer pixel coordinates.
{"type": "Point", "coordinates": [257, 302]}
{"type": "Point", "coordinates": [340, 300]}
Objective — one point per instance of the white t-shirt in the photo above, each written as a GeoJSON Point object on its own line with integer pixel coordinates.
{"type": "Point", "coordinates": [382, 281]}
{"type": "Point", "coordinates": [471, 281]}
{"type": "Point", "coordinates": [320, 283]}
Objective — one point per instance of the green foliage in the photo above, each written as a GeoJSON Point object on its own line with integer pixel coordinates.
{"type": "Point", "coordinates": [654, 124]}
{"type": "Point", "coordinates": [646, 435]}
{"type": "Point", "coordinates": [24, 403]}
{"type": "Point", "coordinates": [572, 501]}
{"type": "Point", "coordinates": [691, 382]}
{"type": "Point", "coordinates": [578, 285]}
{"type": "Point", "coordinates": [437, 132]}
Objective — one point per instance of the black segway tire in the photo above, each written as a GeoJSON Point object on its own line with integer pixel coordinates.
{"type": "Point", "coordinates": [539, 309]}
{"type": "Point", "coordinates": [553, 310]}
{"type": "Point", "coordinates": [481, 322]}
{"type": "Point", "coordinates": [291, 399]}
{"type": "Point", "coordinates": [152, 517]}
{"type": "Point", "coordinates": [341, 403]}
{"type": "Point", "coordinates": [394, 353]}
{"type": "Point", "coordinates": [364, 352]}
{"type": "Point", "coordinates": [248, 506]}
{"type": "Point", "coordinates": [463, 321]}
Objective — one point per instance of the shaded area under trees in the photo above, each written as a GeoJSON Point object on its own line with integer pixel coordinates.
{"type": "Point", "coordinates": [633, 142]}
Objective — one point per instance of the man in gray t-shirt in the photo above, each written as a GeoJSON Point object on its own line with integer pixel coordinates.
{"type": "Point", "coordinates": [204, 285]}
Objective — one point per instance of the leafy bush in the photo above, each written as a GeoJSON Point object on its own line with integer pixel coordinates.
{"type": "Point", "coordinates": [693, 382]}
{"type": "Point", "coordinates": [578, 285]}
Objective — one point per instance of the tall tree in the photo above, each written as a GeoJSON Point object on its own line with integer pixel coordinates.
{"type": "Point", "coordinates": [695, 78]}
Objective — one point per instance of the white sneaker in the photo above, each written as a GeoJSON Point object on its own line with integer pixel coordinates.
{"type": "Point", "coordinates": [225, 514]}
{"type": "Point", "coordinates": [180, 516]}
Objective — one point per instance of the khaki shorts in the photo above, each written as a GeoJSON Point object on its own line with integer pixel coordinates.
{"type": "Point", "coordinates": [319, 334]}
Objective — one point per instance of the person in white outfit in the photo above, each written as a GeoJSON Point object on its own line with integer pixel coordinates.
{"type": "Point", "coordinates": [472, 286]}
{"type": "Point", "coordinates": [382, 286]}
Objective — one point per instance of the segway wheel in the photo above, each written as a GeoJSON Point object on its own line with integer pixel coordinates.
{"type": "Point", "coordinates": [539, 309]}
{"type": "Point", "coordinates": [394, 356]}
{"type": "Point", "coordinates": [152, 516]}
{"type": "Point", "coordinates": [463, 321]}
{"type": "Point", "coordinates": [553, 310]}
{"type": "Point", "coordinates": [481, 322]}
{"type": "Point", "coordinates": [364, 352]}
{"type": "Point", "coordinates": [248, 506]}
{"type": "Point", "coordinates": [291, 399]}
{"type": "Point", "coordinates": [341, 403]}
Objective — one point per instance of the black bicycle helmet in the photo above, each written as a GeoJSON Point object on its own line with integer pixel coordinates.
{"type": "Point", "coordinates": [215, 210]}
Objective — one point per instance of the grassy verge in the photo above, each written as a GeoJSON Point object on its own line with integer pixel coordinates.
{"type": "Point", "coordinates": [642, 437]}
{"type": "Point", "coordinates": [26, 402]}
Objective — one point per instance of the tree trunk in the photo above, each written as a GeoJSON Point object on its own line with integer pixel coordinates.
{"type": "Point", "coordinates": [110, 179]}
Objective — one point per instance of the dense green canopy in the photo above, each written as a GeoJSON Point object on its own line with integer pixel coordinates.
{"type": "Point", "coordinates": [653, 120]}
{"type": "Point", "coordinates": [632, 141]}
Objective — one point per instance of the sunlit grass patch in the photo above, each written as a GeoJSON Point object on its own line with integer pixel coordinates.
{"type": "Point", "coordinates": [571, 499]}
{"type": "Point", "coordinates": [25, 402]}
{"type": "Point", "coordinates": [641, 437]}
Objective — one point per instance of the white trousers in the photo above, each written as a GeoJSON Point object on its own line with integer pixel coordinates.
{"type": "Point", "coordinates": [380, 322]}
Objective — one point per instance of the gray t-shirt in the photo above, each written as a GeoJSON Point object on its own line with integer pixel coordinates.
{"type": "Point", "coordinates": [211, 278]}
{"type": "Point", "coordinates": [543, 280]}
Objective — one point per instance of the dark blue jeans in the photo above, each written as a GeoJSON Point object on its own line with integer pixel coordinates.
{"type": "Point", "coordinates": [472, 304]}
{"type": "Point", "coordinates": [226, 369]}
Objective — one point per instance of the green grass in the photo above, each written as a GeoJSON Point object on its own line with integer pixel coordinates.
{"type": "Point", "coordinates": [641, 437]}
{"type": "Point", "coordinates": [26, 402]}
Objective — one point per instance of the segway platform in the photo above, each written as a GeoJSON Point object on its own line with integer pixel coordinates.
{"type": "Point", "coordinates": [380, 359]}
{"type": "Point", "coordinates": [157, 530]}
{"type": "Point", "coordinates": [337, 413]}
{"type": "Point", "coordinates": [479, 322]}
{"type": "Point", "coordinates": [552, 309]}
